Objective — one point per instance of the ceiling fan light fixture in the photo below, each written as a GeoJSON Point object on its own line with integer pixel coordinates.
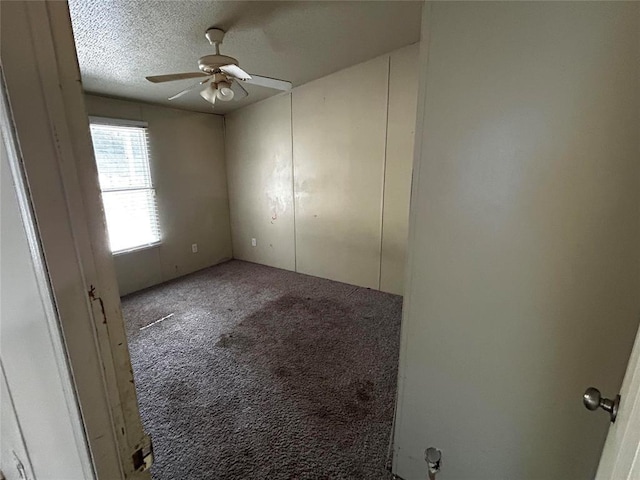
{"type": "Point", "coordinates": [209, 93]}
{"type": "Point", "coordinates": [224, 92]}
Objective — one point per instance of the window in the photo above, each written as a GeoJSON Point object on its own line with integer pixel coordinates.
{"type": "Point", "coordinates": [128, 195]}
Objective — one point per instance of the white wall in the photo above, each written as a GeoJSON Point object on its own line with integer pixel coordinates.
{"type": "Point", "coordinates": [524, 258]}
{"type": "Point", "coordinates": [321, 177]}
{"type": "Point", "coordinates": [188, 171]}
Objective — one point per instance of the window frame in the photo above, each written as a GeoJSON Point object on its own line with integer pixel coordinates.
{"type": "Point", "coordinates": [123, 122]}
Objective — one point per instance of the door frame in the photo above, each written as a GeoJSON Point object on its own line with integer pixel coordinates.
{"type": "Point", "coordinates": [46, 98]}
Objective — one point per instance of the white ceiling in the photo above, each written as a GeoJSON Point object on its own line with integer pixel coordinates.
{"type": "Point", "coordinates": [119, 42]}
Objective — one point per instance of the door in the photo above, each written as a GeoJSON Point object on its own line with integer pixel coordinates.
{"type": "Point", "coordinates": [42, 433]}
{"type": "Point", "coordinates": [14, 460]}
{"type": "Point", "coordinates": [621, 455]}
{"type": "Point", "coordinates": [523, 270]}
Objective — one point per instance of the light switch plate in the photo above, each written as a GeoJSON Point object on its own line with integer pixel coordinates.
{"type": "Point", "coordinates": [194, 248]}
{"type": "Point", "coordinates": [254, 242]}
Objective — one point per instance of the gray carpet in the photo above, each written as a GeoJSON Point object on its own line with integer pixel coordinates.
{"type": "Point", "coordinates": [262, 373]}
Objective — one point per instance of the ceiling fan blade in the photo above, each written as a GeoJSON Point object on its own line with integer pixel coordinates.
{"type": "Point", "coordinates": [236, 72]}
{"type": "Point", "coordinates": [238, 90]}
{"type": "Point", "coordinates": [175, 76]}
{"type": "Point", "coordinates": [187, 90]}
{"type": "Point", "coordinates": [269, 82]}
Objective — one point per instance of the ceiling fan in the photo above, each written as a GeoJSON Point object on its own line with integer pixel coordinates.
{"type": "Point", "coordinates": [221, 75]}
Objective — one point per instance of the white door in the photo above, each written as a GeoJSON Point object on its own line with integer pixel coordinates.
{"type": "Point", "coordinates": [42, 435]}
{"type": "Point", "coordinates": [621, 455]}
{"type": "Point", "coordinates": [524, 254]}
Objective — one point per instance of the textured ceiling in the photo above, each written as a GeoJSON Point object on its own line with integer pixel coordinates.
{"type": "Point", "coordinates": [119, 42]}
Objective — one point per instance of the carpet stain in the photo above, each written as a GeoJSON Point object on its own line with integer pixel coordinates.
{"type": "Point", "coordinates": [265, 374]}
{"type": "Point", "coordinates": [364, 391]}
{"type": "Point", "coordinates": [314, 356]}
{"type": "Point", "coordinates": [180, 391]}
{"type": "Point", "coordinates": [237, 340]}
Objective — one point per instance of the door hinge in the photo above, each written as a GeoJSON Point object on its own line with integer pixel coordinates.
{"type": "Point", "coordinates": [143, 457]}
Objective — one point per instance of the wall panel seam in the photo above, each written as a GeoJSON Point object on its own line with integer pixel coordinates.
{"type": "Point", "coordinates": [293, 187]}
{"type": "Point", "coordinates": [226, 179]}
{"type": "Point", "coordinates": [384, 172]}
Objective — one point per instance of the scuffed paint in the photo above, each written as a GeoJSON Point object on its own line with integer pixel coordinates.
{"type": "Point", "coordinates": [93, 297]}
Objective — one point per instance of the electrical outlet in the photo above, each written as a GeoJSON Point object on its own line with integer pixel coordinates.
{"type": "Point", "coordinates": [254, 242]}
{"type": "Point", "coordinates": [194, 248]}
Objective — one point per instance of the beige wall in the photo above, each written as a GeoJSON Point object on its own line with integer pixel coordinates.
{"type": "Point", "coordinates": [189, 174]}
{"type": "Point", "coordinates": [338, 149]}
{"type": "Point", "coordinates": [259, 171]}
{"type": "Point", "coordinates": [524, 249]}
{"type": "Point", "coordinates": [352, 144]}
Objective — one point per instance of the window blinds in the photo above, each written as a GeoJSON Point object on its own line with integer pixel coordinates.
{"type": "Point", "coordinates": [125, 181]}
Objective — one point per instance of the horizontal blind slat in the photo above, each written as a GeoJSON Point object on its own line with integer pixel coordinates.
{"type": "Point", "coordinates": [128, 195]}
{"type": "Point", "coordinates": [121, 155]}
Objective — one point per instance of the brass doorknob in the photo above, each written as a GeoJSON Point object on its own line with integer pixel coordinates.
{"type": "Point", "coordinates": [593, 400]}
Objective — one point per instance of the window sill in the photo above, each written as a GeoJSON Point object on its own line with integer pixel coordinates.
{"type": "Point", "coordinates": [136, 249]}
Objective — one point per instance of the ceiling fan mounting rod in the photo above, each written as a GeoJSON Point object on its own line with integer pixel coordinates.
{"type": "Point", "coordinates": [215, 37]}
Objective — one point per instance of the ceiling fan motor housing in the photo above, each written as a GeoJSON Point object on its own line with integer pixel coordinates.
{"type": "Point", "coordinates": [211, 63]}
